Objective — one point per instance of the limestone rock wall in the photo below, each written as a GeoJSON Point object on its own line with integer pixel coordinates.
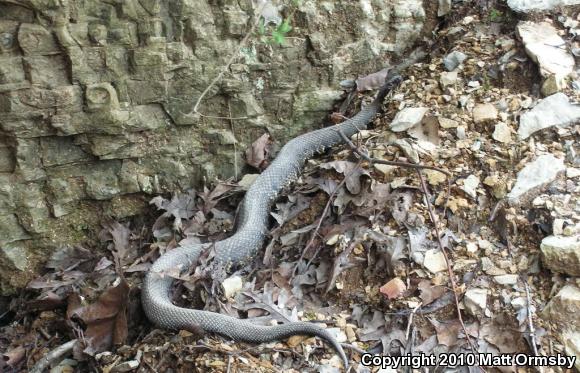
{"type": "Point", "coordinates": [96, 101]}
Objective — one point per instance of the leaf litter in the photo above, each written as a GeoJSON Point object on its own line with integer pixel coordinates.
{"type": "Point", "coordinates": [363, 274]}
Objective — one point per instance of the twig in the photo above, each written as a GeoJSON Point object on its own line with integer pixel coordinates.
{"type": "Point", "coordinates": [531, 323]}
{"type": "Point", "coordinates": [409, 349]}
{"type": "Point", "coordinates": [447, 261]}
{"type": "Point", "coordinates": [44, 333]}
{"type": "Point", "coordinates": [410, 322]}
{"type": "Point", "coordinates": [225, 68]}
{"type": "Point", "coordinates": [390, 163]}
{"type": "Point", "coordinates": [52, 356]}
{"type": "Point", "coordinates": [235, 141]}
{"type": "Point", "coordinates": [415, 166]}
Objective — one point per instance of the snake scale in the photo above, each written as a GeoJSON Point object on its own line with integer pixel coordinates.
{"type": "Point", "coordinates": [252, 228]}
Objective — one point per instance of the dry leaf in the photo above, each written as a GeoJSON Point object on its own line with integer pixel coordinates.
{"type": "Point", "coordinates": [14, 356]}
{"type": "Point", "coordinates": [447, 332]}
{"type": "Point", "coordinates": [372, 81]}
{"type": "Point", "coordinates": [352, 172]}
{"type": "Point", "coordinates": [393, 289]}
{"type": "Point", "coordinates": [105, 320]}
{"type": "Point", "coordinates": [430, 293]}
{"type": "Point", "coordinates": [257, 154]}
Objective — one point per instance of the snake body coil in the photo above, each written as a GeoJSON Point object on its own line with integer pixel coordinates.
{"type": "Point", "coordinates": [248, 239]}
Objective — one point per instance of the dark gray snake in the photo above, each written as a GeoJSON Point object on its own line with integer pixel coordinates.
{"type": "Point", "coordinates": [243, 245]}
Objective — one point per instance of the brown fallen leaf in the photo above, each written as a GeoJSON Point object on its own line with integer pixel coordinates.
{"type": "Point", "coordinates": [14, 356]}
{"type": "Point", "coordinates": [394, 288]}
{"type": "Point", "coordinates": [372, 81]}
{"type": "Point", "coordinates": [105, 320]}
{"type": "Point", "coordinates": [212, 197]}
{"type": "Point", "coordinates": [447, 332]}
{"type": "Point", "coordinates": [46, 301]}
{"type": "Point", "coordinates": [257, 154]}
{"type": "Point", "coordinates": [430, 293]}
{"type": "Point", "coordinates": [337, 118]}
{"type": "Point", "coordinates": [120, 236]}
{"type": "Point", "coordinates": [350, 169]}
{"type": "Point", "coordinates": [503, 337]}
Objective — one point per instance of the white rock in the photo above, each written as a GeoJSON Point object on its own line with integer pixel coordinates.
{"type": "Point", "coordinates": [408, 118]}
{"type": "Point", "coordinates": [562, 254]}
{"type": "Point", "coordinates": [502, 133]}
{"type": "Point", "coordinates": [448, 78]}
{"type": "Point", "coordinates": [448, 123]}
{"type": "Point", "coordinates": [471, 247]}
{"type": "Point", "coordinates": [475, 301]}
{"type": "Point", "coordinates": [384, 169]}
{"type": "Point", "coordinates": [484, 113]}
{"type": "Point", "coordinates": [444, 8]}
{"type": "Point", "coordinates": [453, 59]}
{"type": "Point", "coordinates": [558, 227]}
{"type": "Point", "coordinates": [470, 185]}
{"type": "Point", "coordinates": [572, 173]}
{"type": "Point", "coordinates": [506, 279]}
{"type": "Point", "coordinates": [484, 244]}
{"type": "Point", "coordinates": [544, 46]}
{"type": "Point", "coordinates": [434, 261]}
{"type": "Point", "coordinates": [519, 303]}
{"type": "Point", "coordinates": [247, 181]}
{"type": "Point", "coordinates": [555, 110]}
{"type": "Point", "coordinates": [125, 366]}
{"type": "Point", "coordinates": [564, 308]}
{"type": "Point", "coordinates": [572, 345]}
{"type": "Point", "coordinates": [474, 84]}
{"type": "Point", "coordinates": [536, 175]}
{"type": "Point", "coordinates": [535, 5]}
{"type": "Point", "coordinates": [418, 257]}
{"type": "Point", "coordinates": [338, 334]}
{"type": "Point", "coordinates": [232, 285]}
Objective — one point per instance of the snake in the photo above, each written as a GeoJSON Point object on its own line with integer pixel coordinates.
{"type": "Point", "coordinates": [243, 245]}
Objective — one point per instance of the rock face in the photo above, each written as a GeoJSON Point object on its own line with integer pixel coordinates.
{"type": "Point", "coordinates": [96, 100]}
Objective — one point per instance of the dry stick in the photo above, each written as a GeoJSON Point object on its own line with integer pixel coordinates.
{"type": "Point", "coordinates": [235, 141]}
{"type": "Point", "coordinates": [531, 323]}
{"type": "Point", "coordinates": [447, 261]}
{"type": "Point", "coordinates": [52, 356]}
{"type": "Point", "coordinates": [410, 322]}
{"type": "Point", "coordinates": [390, 163]}
{"type": "Point", "coordinates": [226, 67]}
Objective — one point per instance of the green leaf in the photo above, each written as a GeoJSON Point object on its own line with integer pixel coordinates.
{"type": "Point", "coordinates": [284, 27]}
{"type": "Point", "coordinates": [278, 38]}
{"type": "Point", "coordinates": [262, 27]}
